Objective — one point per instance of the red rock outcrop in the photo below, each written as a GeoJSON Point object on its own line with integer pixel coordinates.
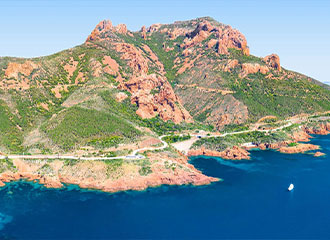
{"type": "Point", "coordinates": [143, 32]}
{"type": "Point", "coordinates": [234, 153]}
{"type": "Point", "coordinates": [96, 67]}
{"type": "Point", "coordinates": [202, 32]}
{"type": "Point", "coordinates": [174, 33]}
{"type": "Point", "coordinates": [226, 37]}
{"type": "Point", "coordinates": [134, 57]}
{"type": "Point", "coordinates": [231, 64]}
{"type": "Point", "coordinates": [322, 129]}
{"type": "Point", "coordinates": [273, 61]}
{"type": "Point", "coordinates": [154, 27]}
{"type": "Point", "coordinates": [112, 66]}
{"type": "Point", "coordinates": [93, 174]}
{"type": "Point", "coordinates": [251, 68]}
{"type": "Point", "coordinates": [300, 136]}
{"type": "Point", "coordinates": [121, 28]}
{"type": "Point", "coordinates": [163, 102]}
{"type": "Point", "coordinates": [319, 154]}
{"type": "Point", "coordinates": [277, 145]}
{"type": "Point", "coordinates": [70, 67]}
{"type": "Point", "coordinates": [18, 75]}
{"type": "Point", "coordinates": [101, 27]}
{"type": "Point", "coordinates": [231, 38]}
{"type": "Point", "coordinates": [14, 69]}
{"type": "Point", "coordinates": [121, 96]}
{"type": "Point", "coordinates": [212, 43]}
{"type": "Point", "coordinates": [300, 148]}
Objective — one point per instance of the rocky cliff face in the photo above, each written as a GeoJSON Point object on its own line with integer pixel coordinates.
{"type": "Point", "coordinates": [150, 92]}
{"type": "Point", "coordinates": [154, 95]}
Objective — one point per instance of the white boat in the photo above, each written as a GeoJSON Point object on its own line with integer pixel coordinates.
{"type": "Point", "coordinates": [291, 187]}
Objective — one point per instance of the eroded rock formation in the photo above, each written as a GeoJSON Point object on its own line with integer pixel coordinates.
{"type": "Point", "coordinates": [154, 95]}
{"type": "Point", "coordinates": [251, 68]}
{"type": "Point", "coordinates": [225, 38]}
{"type": "Point", "coordinates": [273, 61]}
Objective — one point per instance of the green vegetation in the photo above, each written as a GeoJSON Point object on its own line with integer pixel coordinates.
{"type": "Point", "coordinates": [221, 143]}
{"type": "Point", "coordinates": [161, 127]}
{"type": "Point", "coordinates": [106, 142]}
{"type": "Point", "coordinates": [122, 109]}
{"type": "Point", "coordinates": [145, 170]}
{"type": "Point", "coordinates": [291, 128]}
{"type": "Point", "coordinates": [80, 126]}
{"type": "Point", "coordinates": [293, 144]}
{"type": "Point", "coordinates": [238, 54]}
{"type": "Point", "coordinates": [170, 165]}
{"type": "Point", "coordinates": [11, 136]}
{"type": "Point", "coordinates": [319, 115]}
{"type": "Point", "coordinates": [235, 128]}
{"type": "Point", "coordinates": [176, 138]}
{"type": "Point", "coordinates": [46, 169]}
{"type": "Point", "coordinates": [272, 125]}
{"type": "Point", "coordinates": [70, 162]}
{"type": "Point", "coordinates": [279, 97]}
{"type": "Point", "coordinates": [270, 120]}
{"type": "Point", "coordinates": [167, 58]}
{"type": "Point", "coordinates": [6, 165]}
{"type": "Point", "coordinates": [113, 167]}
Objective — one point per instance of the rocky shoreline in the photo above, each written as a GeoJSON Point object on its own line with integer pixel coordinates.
{"type": "Point", "coordinates": [240, 153]}
{"type": "Point", "coordinates": [163, 168]}
{"type": "Point", "coordinates": [235, 153]}
{"type": "Point", "coordinates": [92, 175]}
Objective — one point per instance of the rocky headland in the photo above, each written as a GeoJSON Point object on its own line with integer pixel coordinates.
{"type": "Point", "coordinates": [108, 176]}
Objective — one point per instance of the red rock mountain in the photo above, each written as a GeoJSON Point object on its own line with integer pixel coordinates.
{"type": "Point", "coordinates": [198, 71]}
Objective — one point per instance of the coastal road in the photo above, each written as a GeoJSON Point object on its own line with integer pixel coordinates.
{"type": "Point", "coordinates": [132, 156]}
{"type": "Point", "coordinates": [165, 145]}
{"type": "Point", "coordinates": [183, 147]}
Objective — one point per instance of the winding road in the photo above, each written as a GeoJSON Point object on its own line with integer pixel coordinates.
{"type": "Point", "coordinates": [133, 156]}
{"type": "Point", "coordinates": [183, 147]}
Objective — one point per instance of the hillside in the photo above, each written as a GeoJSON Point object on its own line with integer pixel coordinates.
{"type": "Point", "coordinates": [123, 87]}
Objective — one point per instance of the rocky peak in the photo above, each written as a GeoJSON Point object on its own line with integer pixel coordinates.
{"type": "Point", "coordinates": [103, 26]}
{"type": "Point", "coordinates": [121, 28]}
{"type": "Point", "coordinates": [154, 27]}
{"type": "Point", "coordinates": [144, 32]}
{"type": "Point", "coordinates": [273, 61]}
{"type": "Point", "coordinates": [106, 26]}
{"type": "Point", "coordinates": [226, 37]}
{"type": "Point", "coordinates": [231, 38]}
{"type": "Point", "coordinates": [203, 26]}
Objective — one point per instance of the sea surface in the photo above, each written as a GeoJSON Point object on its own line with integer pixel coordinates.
{"type": "Point", "coordinates": [252, 201]}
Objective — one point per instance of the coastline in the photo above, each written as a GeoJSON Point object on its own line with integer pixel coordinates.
{"type": "Point", "coordinates": [162, 169]}
{"type": "Point", "coordinates": [177, 173]}
{"type": "Point", "coordinates": [298, 139]}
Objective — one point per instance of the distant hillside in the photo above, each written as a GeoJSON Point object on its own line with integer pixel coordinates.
{"type": "Point", "coordinates": [116, 85]}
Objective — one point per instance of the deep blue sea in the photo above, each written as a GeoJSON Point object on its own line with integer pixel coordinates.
{"type": "Point", "coordinates": [252, 201]}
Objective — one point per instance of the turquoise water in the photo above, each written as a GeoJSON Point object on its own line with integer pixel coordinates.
{"type": "Point", "coordinates": [251, 202]}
